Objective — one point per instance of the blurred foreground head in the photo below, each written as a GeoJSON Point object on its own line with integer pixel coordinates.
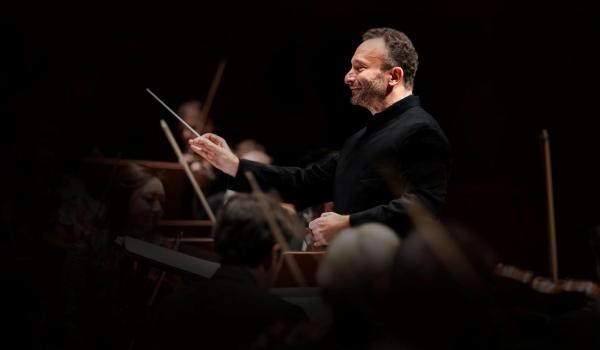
{"type": "Point", "coordinates": [358, 260]}
{"type": "Point", "coordinates": [355, 277]}
{"type": "Point", "coordinates": [242, 234]}
{"type": "Point", "coordinates": [442, 300]}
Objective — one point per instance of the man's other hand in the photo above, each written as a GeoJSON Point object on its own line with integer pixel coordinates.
{"type": "Point", "coordinates": [326, 227]}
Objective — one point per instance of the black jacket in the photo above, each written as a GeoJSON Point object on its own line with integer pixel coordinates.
{"type": "Point", "coordinates": [403, 144]}
{"type": "Point", "coordinates": [229, 311]}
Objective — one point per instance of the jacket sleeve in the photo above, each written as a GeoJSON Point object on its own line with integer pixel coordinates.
{"type": "Point", "coordinates": [422, 163]}
{"type": "Point", "coordinates": [302, 187]}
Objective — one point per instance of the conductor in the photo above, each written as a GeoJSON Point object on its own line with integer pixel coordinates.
{"type": "Point", "coordinates": [400, 135]}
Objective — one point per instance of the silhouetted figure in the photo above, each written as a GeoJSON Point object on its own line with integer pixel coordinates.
{"type": "Point", "coordinates": [123, 285]}
{"type": "Point", "coordinates": [442, 298]}
{"type": "Point", "coordinates": [355, 277]}
{"type": "Point", "coordinates": [207, 177]}
{"type": "Point", "coordinates": [233, 309]}
{"type": "Point", "coordinates": [246, 149]}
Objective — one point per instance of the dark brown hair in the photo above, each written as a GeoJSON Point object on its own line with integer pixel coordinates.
{"type": "Point", "coordinates": [128, 179]}
{"type": "Point", "coordinates": [242, 235]}
{"type": "Point", "coordinates": [401, 52]}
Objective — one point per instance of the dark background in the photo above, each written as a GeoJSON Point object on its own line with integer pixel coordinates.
{"type": "Point", "coordinates": [73, 76]}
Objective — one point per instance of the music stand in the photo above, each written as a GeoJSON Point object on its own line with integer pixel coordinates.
{"type": "Point", "coordinates": [168, 259]}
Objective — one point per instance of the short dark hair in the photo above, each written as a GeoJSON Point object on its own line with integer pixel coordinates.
{"type": "Point", "coordinates": [401, 52]}
{"type": "Point", "coordinates": [241, 234]}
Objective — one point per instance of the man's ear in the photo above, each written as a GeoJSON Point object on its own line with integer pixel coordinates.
{"type": "Point", "coordinates": [397, 76]}
{"type": "Point", "coordinates": [273, 259]}
{"type": "Point", "coordinates": [276, 253]}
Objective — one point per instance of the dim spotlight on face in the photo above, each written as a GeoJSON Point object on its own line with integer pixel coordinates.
{"type": "Point", "coordinates": [367, 82]}
{"type": "Point", "coordinates": [146, 206]}
{"type": "Point", "coordinates": [192, 116]}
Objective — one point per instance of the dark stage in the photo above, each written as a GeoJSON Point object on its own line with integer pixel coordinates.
{"type": "Point", "coordinates": [494, 75]}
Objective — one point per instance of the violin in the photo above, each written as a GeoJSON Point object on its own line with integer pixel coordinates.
{"type": "Point", "coordinates": [547, 285]}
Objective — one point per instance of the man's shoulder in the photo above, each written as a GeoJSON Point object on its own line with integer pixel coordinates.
{"type": "Point", "coordinates": [417, 124]}
{"type": "Point", "coordinates": [417, 118]}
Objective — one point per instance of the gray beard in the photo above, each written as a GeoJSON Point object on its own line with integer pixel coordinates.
{"type": "Point", "coordinates": [370, 91]}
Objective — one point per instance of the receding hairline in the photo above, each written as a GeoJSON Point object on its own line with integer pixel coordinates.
{"type": "Point", "coordinates": [372, 51]}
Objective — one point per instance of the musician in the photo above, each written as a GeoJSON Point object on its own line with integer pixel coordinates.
{"type": "Point", "coordinates": [355, 277]}
{"type": "Point", "coordinates": [233, 308]}
{"type": "Point", "coordinates": [444, 295]}
{"type": "Point", "coordinates": [101, 296]}
{"type": "Point", "coordinates": [245, 149]}
{"type": "Point", "coordinates": [136, 204]}
{"type": "Point", "coordinates": [400, 136]}
{"type": "Point", "coordinates": [191, 112]}
{"type": "Point", "coordinates": [209, 180]}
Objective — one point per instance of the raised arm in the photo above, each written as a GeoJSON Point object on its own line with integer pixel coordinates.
{"type": "Point", "coordinates": [303, 187]}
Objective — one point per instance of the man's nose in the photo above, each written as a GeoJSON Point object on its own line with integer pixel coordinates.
{"type": "Point", "coordinates": [350, 77]}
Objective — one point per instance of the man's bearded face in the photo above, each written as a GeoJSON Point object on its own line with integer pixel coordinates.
{"type": "Point", "coordinates": [365, 90]}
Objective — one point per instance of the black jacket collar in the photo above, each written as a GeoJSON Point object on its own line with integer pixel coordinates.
{"type": "Point", "coordinates": [392, 112]}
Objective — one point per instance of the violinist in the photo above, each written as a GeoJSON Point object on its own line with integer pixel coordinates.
{"type": "Point", "coordinates": [135, 205]}
{"type": "Point", "coordinates": [446, 303]}
{"type": "Point", "coordinates": [400, 135]}
{"type": "Point", "coordinates": [233, 308]}
{"type": "Point", "coordinates": [191, 112]}
{"type": "Point", "coordinates": [204, 174]}
{"type": "Point", "coordinates": [98, 301]}
{"type": "Point", "coordinates": [246, 149]}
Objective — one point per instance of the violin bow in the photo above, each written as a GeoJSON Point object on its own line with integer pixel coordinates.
{"type": "Point", "coordinates": [550, 205]}
{"type": "Point", "coordinates": [188, 171]}
{"type": "Point", "coordinates": [211, 93]}
{"type": "Point", "coordinates": [276, 230]}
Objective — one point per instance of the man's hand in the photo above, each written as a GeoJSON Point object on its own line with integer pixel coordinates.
{"type": "Point", "coordinates": [326, 227]}
{"type": "Point", "coordinates": [215, 150]}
